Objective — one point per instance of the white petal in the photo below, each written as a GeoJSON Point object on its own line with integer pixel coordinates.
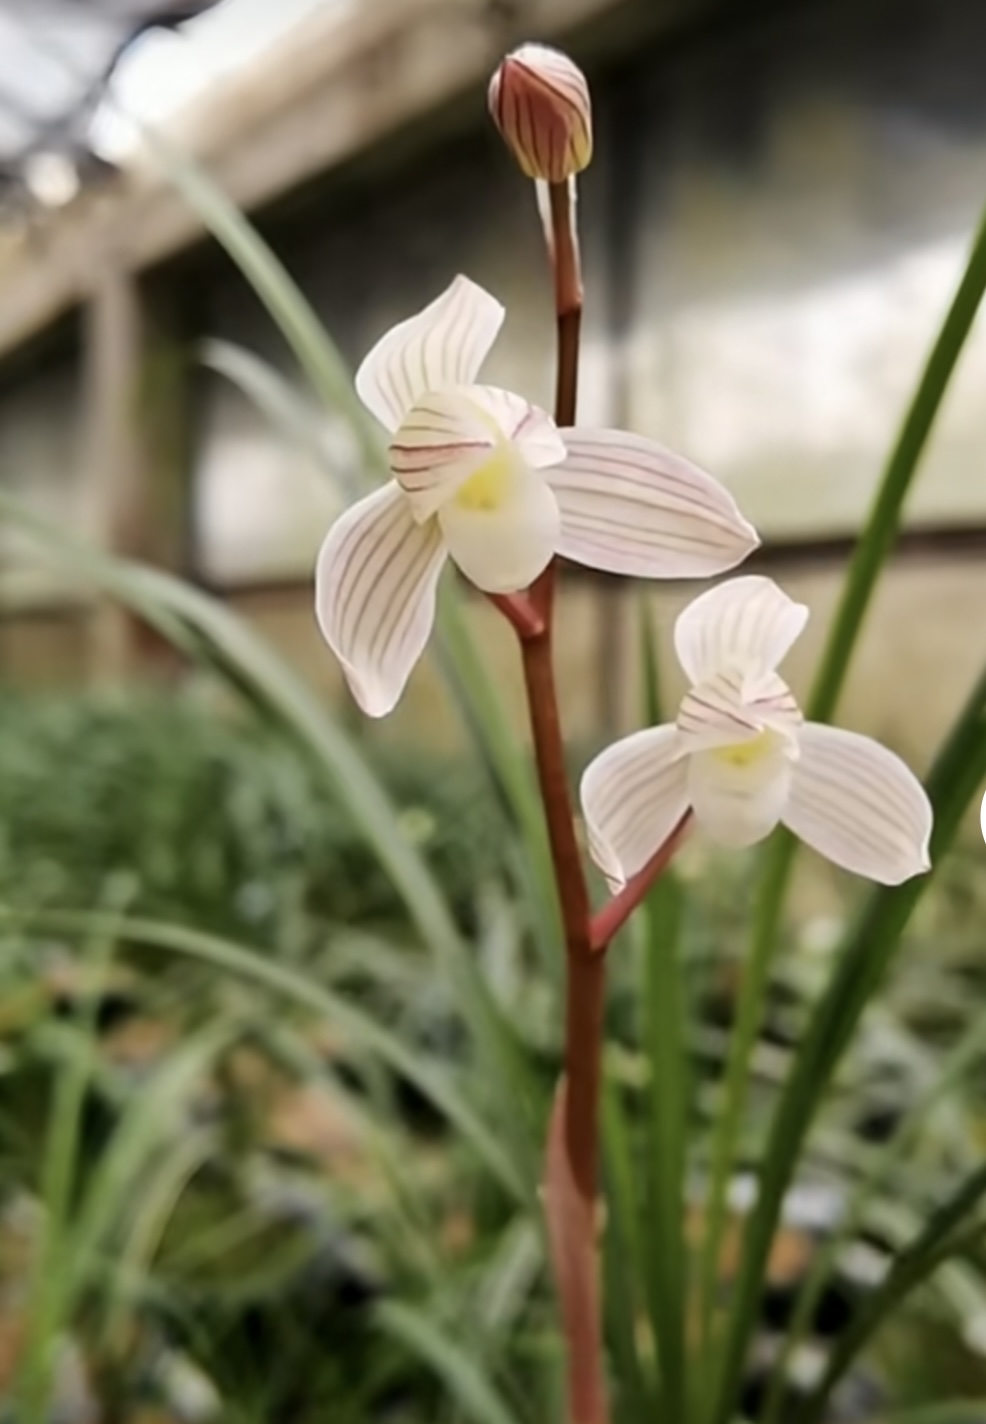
{"type": "Point", "coordinates": [738, 793]}
{"type": "Point", "coordinates": [713, 714]}
{"type": "Point", "coordinates": [502, 542]}
{"type": "Point", "coordinates": [746, 623]}
{"type": "Point", "coordinates": [375, 594]}
{"type": "Point", "coordinates": [633, 795]}
{"type": "Point", "coordinates": [857, 803]}
{"type": "Point", "coordinates": [731, 707]}
{"type": "Point", "coordinates": [444, 345]}
{"type": "Point", "coordinates": [530, 428]}
{"type": "Point", "coordinates": [631, 507]}
{"type": "Point", "coordinates": [449, 436]}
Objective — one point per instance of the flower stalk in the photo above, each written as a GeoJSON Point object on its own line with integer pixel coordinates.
{"type": "Point", "coordinates": [573, 1139]}
{"type": "Point", "coordinates": [572, 1214]}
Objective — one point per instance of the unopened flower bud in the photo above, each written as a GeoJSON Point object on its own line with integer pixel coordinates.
{"type": "Point", "coordinates": [540, 102]}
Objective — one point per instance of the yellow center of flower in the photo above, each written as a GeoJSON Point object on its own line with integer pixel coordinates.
{"type": "Point", "coordinates": [743, 754]}
{"type": "Point", "coordinates": [489, 487]}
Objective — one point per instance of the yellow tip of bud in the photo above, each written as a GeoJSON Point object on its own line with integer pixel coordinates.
{"type": "Point", "coordinates": [539, 100]}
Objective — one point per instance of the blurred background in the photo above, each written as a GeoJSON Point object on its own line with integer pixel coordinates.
{"type": "Point", "coordinates": [778, 212]}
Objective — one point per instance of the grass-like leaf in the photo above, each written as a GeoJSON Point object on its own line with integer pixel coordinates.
{"type": "Point", "coordinates": [470, 1387]}
{"type": "Point", "coordinates": [863, 961]}
{"type": "Point", "coordinates": [870, 554]}
{"type": "Point", "coordinates": [432, 1080]}
{"type": "Point", "coordinates": [943, 1235]}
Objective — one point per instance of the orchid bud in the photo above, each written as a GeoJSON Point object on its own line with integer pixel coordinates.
{"type": "Point", "coordinates": [540, 102]}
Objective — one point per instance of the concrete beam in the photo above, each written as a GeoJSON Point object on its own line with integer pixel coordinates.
{"type": "Point", "coordinates": [328, 91]}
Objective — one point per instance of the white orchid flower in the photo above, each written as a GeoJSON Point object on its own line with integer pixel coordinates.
{"type": "Point", "coordinates": [742, 759]}
{"type": "Point", "coordinates": [482, 476]}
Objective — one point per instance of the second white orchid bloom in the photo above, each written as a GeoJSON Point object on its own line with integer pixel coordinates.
{"type": "Point", "coordinates": [484, 477]}
{"type": "Point", "coordinates": [742, 759]}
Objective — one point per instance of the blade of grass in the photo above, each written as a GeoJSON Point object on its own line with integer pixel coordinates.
{"type": "Point", "coordinates": [431, 1081]}
{"type": "Point", "coordinates": [956, 1411]}
{"type": "Point", "coordinates": [872, 549]}
{"type": "Point", "coordinates": [636, 1393]}
{"type": "Point", "coordinates": [47, 1309]}
{"type": "Point", "coordinates": [155, 1209]}
{"type": "Point", "coordinates": [466, 1383]}
{"type": "Point", "coordinates": [316, 354]}
{"type": "Point", "coordinates": [754, 975]}
{"type": "Point", "coordinates": [151, 1123]}
{"type": "Point", "coordinates": [862, 963]}
{"type": "Point", "coordinates": [893, 1153]}
{"type": "Point", "coordinates": [274, 686]}
{"type": "Point", "coordinates": [45, 1314]}
{"type": "Point", "coordinates": [663, 1017]}
{"type": "Point", "coordinates": [946, 1233]}
{"type": "Point", "coordinates": [284, 408]}
{"type": "Point", "coordinates": [663, 1020]}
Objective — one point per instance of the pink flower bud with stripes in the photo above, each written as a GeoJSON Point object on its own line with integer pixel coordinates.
{"type": "Point", "coordinates": [539, 100]}
{"type": "Point", "coordinates": [742, 759]}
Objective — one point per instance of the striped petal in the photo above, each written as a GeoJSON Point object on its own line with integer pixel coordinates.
{"type": "Point", "coordinates": [713, 714]}
{"type": "Point", "coordinates": [857, 803]}
{"type": "Point", "coordinates": [730, 707]}
{"type": "Point", "coordinates": [631, 507]}
{"type": "Point", "coordinates": [745, 623]}
{"type": "Point", "coordinates": [444, 345]}
{"type": "Point", "coordinates": [633, 795]}
{"type": "Point", "coordinates": [527, 426]}
{"type": "Point", "coordinates": [450, 436]}
{"type": "Point", "coordinates": [501, 528]}
{"type": "Point", "coordinates": [375, 594]}
{"type": "Point", "coordinates": [738, 793]}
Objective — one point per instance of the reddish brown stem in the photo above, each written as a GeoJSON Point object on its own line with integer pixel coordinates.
{"type": "Point", "coordinates": [571, 1211]}
{"type": "Point", "coordinates": [573, 1140]}
{"type": "Point", "coordinates": [607, 922]}
{"type": "Point", "coordinates": [567, 270]}
{"type": "Point", "coordinates": [585, 969]}
{"type": "Point", "coordinates": [568, 300]}
{"type": "Point", "coordinates": [519, 610]}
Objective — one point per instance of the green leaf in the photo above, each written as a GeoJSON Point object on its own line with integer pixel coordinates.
{"type": "Point", "coordinates": [274, 686]}
{"type": "Point", "coordinates": [663, 1023]}
{"type": "Point", "coordinates": [431, 1080]}
{"type": "Point", "coordinates": [964, 1057]}
{"type": "Point", "coordinates": [317, 355]}
{"type": "Point", "coordinates": [49, 1301]}
{"type": "Point", "coordinates": [863, 961]}
{"type": "Point", "coordinates": [623, 1261]}
{"type": "Point", "coordinates": [466, 1382]}
{"type": "Point", "coordinates": [663, 1009]}
{"type": "Point", "coordinates": [956, 1411]}
{"type": "Point", "coordinates": [282, 406]}
{"type": "Point", "coordinates": [872, 548]}
{"type": "Point", "coordinates": [159, 1196]}
{"type": "Point", "coordinates": [154, 1120]}
{"type": "Point", "coordinates": [911, 1269]}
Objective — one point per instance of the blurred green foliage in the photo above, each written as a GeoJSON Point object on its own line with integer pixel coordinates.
{"type": "Point", "coordinates": [273, 1192]}
{"type": "Point", "coordinates": [216, 820]}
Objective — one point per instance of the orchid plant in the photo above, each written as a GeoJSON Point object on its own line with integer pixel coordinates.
{"type": "Point", "coordinates": [503, 489]}
{"type": "Point", "coordinates": [478, 476]}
